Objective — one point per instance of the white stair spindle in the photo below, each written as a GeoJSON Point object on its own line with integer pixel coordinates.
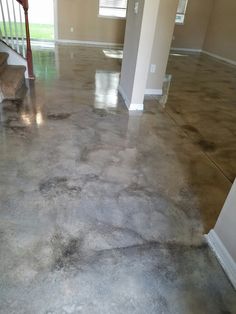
{"type": "Point", "coordinates": [4, 23]}
{"type": "Point", "coordinates": [16, 30]}
{"type": "Point", "coordinates": [10, 25]}
{"type": "Point", "coordinates": [22, 32]}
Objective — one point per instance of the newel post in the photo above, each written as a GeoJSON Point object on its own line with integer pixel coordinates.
{"type": "Point", "coordinates": [29, 57]}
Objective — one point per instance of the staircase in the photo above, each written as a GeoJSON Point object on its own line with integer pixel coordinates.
{"type": "Point", "coordinates": [12, 79]}
{"type": "Point", "coordinates": [15, 32]}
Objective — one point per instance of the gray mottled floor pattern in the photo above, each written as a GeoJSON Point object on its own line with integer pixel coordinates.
{"type": "Point", "coordinates": [105, 212]}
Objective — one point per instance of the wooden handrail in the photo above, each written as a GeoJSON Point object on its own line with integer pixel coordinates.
{"type": "Point", "coordinates": [29, 57]}
{"type": "Point", "coordinates": [19, 1]}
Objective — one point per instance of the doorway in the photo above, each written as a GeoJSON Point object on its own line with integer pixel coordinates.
{"type": "Point", "coordinates": [42, 20]}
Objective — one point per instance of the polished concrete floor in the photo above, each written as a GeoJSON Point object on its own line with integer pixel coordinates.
{"type": "Point", "coordinates": [105, 212]}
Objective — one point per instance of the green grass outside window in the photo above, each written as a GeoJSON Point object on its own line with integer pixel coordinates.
{"type": "Point", "coordinates": [37, 31]}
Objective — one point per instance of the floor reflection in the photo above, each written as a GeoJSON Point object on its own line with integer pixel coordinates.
{"type": "Point", "coordinates": [44, 63]}
{"type": "Point", "coordinates": [114, 54]}
{"type": "Point", "coordinates": [22, 113]}
{"type": "Point", "coordinates": [106, 92]}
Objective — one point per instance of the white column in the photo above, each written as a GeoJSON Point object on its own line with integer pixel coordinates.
{"type": "Point", "coordinates": [139, 37]}
{"type": "Point", "coordinates": [161, 47]}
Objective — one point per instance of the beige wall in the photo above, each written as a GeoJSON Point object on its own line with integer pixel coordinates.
{"type": "Point", "coordinates": [221, 34]}
{"type": "Point", "coordinates": [82, 15]}
{"type": "Point", "coordinates": [162, 42]}
{"type": "Point", "coordinates": [191, 35]}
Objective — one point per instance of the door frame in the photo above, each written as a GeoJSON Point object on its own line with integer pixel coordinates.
{"type": "Point", "coordinates": [55, 5]}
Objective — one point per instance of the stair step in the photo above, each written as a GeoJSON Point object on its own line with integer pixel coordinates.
{"type": "Point", "coordinates": [11, 80]}
{"type": "Point", "coordinates": [3, 61]}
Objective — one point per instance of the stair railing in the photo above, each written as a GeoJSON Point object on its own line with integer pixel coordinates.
{"type": "Point", "coordinates": [14, 29]}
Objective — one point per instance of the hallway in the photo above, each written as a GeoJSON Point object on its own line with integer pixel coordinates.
{"type": "Point", "coordinates": [105, 212]}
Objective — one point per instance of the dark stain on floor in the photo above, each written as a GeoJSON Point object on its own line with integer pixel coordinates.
{"type": "Point", "coordinates": [84, 154]}
{"type": "Point", "coordinates": [15, 127]}
{"type": "Point", "coordinates": [100, 112]}
{"type": "Point", "coordinates": [207, 146]}
{"type": "Point", "coordinates": [66, 251]}
{"type": "Point", "coordinates": [58, 116]}
{"type": "Point", "coordinates": [190, 128]}
{"type": "Point", "coordinates": [57, 186]}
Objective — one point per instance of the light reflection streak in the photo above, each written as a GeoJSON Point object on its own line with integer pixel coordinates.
{"type": "Point", "coordinates": [114, 54]}
{"type": "Point", "coordinates": [106, 94]}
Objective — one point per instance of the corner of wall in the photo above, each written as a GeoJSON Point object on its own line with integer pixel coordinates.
{"type": "Point", "coordinates": [208, 24]}
{"type": "Point", "coordinates": [223, 256]}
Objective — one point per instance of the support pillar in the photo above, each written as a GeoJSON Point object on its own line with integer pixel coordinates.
{"type": "Point", "coordinates": [139, 37]}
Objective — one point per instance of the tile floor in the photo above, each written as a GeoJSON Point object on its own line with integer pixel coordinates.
{"type": "Point", "coordinates": [105, 212]}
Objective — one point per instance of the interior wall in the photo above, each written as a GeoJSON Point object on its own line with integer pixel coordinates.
{"type": "Point", "coordinates": [162, 42]}
{"type": "Point", "coordinates": [82, 16]}
{"type": "Point", "coordinates": [225, 226]}
{"type": "Point", "coordinates": [191, 34]}
{"type": "Point", "coordinates": [220, 36]}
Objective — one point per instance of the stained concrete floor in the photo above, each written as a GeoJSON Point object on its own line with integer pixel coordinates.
{"type": "Point", "coordinates": [105, 212]}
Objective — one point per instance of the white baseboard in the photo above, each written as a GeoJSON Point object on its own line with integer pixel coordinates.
{"type": "Point", "coordinates": [157, 92]}
{"type": "Point", "coordinates": [206, 53]}
{"type": "Point", "coordinates": [88, 43]}
{"type": "Point", "coordinates": [129, 105]}
{"type": "Point", "coordinates": [136, 107]}
{"type": "Point", "coordinates": [219, 57]}
{"type": "Point", "coordinates": [186, 49]}
{"type": "Point", "coordinates": [222, 255]}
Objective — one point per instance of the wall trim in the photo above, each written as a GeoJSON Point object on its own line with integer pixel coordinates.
{"type": "Point", "coordinates": [223, 256]}
{"type": "Point", "coordinates": [136, 107]}
{"type": "Point", "coordinates": [219, 57]}
{"type": "Point", "coordinates": [55, 15]}
{"type": "Point", "coordinates": [88, 43]}
{"type": "Point", "coordinates": [149, 91]}
{"type": "Point", "coordinates": [186, 49]}
{"type": "Point", "coordinates": [206, 53]}
{"type": "Point", "coordinates": [129, 105]}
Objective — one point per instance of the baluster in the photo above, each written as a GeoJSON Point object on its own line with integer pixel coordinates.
{"type": "Point", "coordinates": [1, 37]}
{"type": "Point", "coordinates": [16, 30]}
{"type": "Point", "coordinates": [22, 32]}
{"type": "Point", "coordinates": [4, 23]}
{"type": "Point", "coordinates": [10, 25]}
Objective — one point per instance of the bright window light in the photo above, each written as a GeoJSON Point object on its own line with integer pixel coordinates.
{"type": "Point", "coordinates": [113, 8]}
{"type": "Point", "coordinates": [180, 16]}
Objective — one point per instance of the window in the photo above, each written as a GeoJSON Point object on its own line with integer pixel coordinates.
{"type": "Point", "coordinates": [113, 8]}
{"type": "Point", "coordinates": [181, 11]}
